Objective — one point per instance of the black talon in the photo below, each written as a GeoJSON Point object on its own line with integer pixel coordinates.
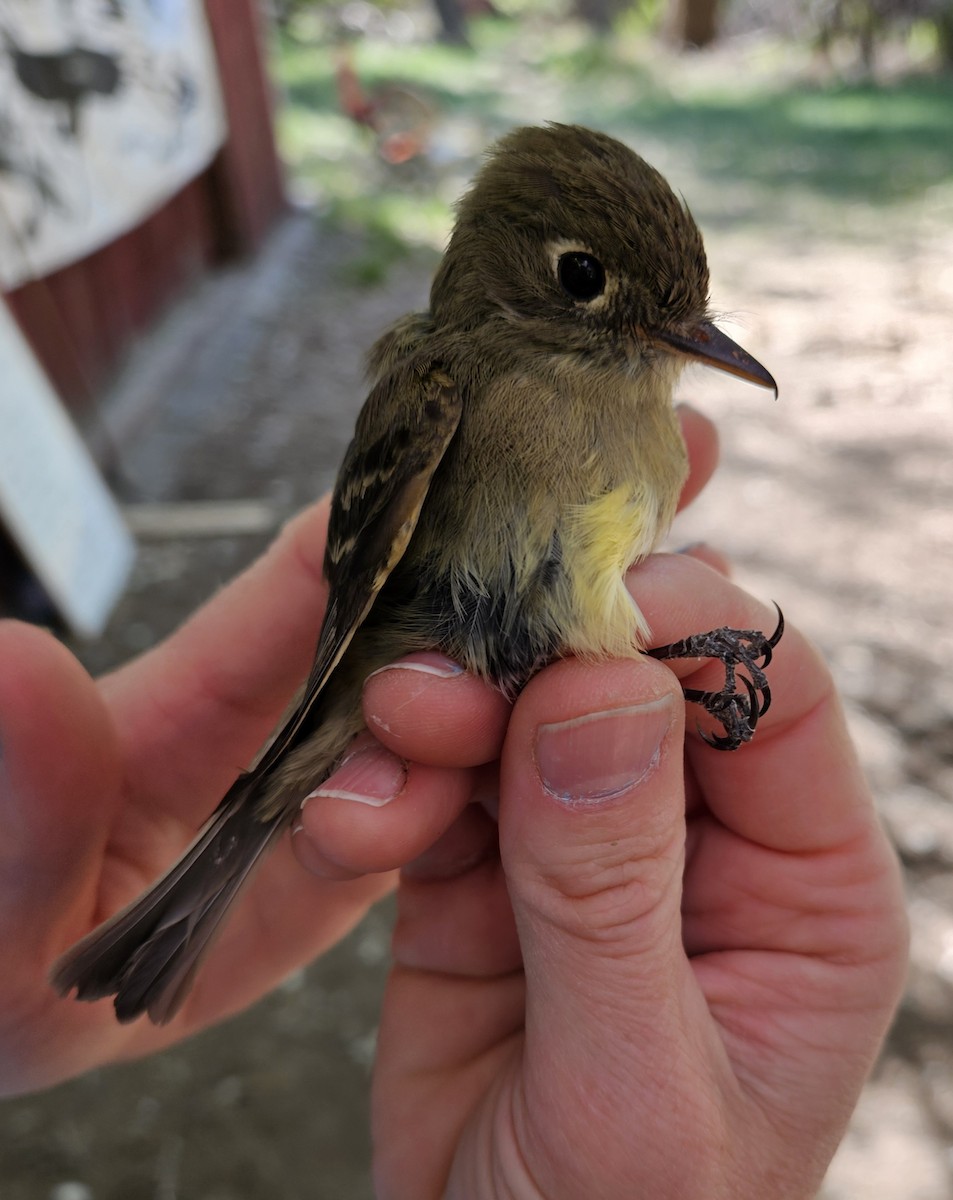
{"type": "Point", "coordinates": [716, 741]}
{"type": "Point", "coordinates": [754, 712]}
{"type": "Point", "coordinates": [775, 637]}
{"type": "Point", "coordinates": [748, 648]}
{"type": "Point", "coordinates": [738, 716]}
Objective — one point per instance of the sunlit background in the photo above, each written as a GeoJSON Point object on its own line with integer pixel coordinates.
{"type": "Point", "coordinates": [814, 145]}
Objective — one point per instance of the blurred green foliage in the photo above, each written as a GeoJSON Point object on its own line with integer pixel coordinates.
{"type": "Point", "coordinates": [745, 133]}
{"type": "Point", "coordinates": [867, 24]}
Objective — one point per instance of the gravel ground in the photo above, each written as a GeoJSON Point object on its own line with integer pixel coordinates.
{"type": "Point", "coordinates": [835, 501]}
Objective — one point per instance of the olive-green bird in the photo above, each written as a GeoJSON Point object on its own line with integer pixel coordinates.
{"type": "Point", "coordinates": [517, 453]}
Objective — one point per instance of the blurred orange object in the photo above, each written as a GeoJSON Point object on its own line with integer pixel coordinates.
{"type": "Point", "coordinates": [399, 117]}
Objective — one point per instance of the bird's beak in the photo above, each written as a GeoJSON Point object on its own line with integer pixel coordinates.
{"type": "Point", "coordinates": [709, 345]}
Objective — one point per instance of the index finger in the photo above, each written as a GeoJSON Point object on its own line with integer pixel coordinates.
{"type": "Point", "coordinates": [701, 442]}
{"type": "Point", "coordinates": [797, 786]}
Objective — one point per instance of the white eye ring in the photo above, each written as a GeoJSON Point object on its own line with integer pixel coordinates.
{"type": "Point", "coordinates": [591, 273]}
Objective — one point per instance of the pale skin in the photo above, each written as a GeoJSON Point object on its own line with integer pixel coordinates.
{"type": "Point", "coordinates": [606, 1000]}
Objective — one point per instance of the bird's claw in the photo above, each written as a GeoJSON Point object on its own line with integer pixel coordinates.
{"type": "Point", "coordinates": [738, 712]}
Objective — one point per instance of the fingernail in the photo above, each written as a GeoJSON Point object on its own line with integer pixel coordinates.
{"type": "Point", "coordinates": [596, 757]}
{"type": "Point", "coordinates": [428, 662]}
{"type": "Point", "coordinates": [369, 775]}
{"type": "Point", "coordinates": [691, 547]}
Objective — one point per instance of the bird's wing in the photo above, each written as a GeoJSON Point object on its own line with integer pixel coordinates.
{"type": "Point", "coordinates": [402, 432]}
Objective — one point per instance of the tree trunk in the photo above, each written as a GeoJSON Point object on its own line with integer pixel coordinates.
{"type": "Point", "coordinates": [692, 22]}
{"type": "Point", "coordinates": [453, 24]}
{"type": "Point", "coordinates": [944, 33]}
{"type": "Point", "coordinates": [600, 14]}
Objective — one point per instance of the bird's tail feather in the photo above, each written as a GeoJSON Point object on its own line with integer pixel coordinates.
{"type": "Point", "coordinates": [147, 954]}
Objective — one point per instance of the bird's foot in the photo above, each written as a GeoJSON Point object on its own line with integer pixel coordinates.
{"type": "Point", "coordinates": [738, 711]}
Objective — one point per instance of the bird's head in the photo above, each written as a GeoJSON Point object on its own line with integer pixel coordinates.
{"type": "Point", "coordinates": [579, 246]}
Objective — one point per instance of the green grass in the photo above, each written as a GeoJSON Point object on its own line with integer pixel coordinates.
{"type": "Point", "coordinates": [743, 135]}
{"type": "Point", "coordinates": [878, 145]}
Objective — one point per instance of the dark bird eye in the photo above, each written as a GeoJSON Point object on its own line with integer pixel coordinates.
{"type": "Point", "coordinates": [581, 275]}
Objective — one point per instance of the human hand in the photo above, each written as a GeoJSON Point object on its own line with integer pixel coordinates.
{"type": "Point", "coordinates": [669, 970]}
{"type": "Point", "coordinates": [103, 783]}
{"type": "Point", "coordinates": [139, 760]}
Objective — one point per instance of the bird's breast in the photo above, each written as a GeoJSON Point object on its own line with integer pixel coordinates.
{"type": "Point", "coordinates": [543, 502]}
{"type": "Point", "coordinates": [601, 539]}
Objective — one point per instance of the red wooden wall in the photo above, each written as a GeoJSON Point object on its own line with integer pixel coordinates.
{"type": "Point", "coordinates": [81, 318]}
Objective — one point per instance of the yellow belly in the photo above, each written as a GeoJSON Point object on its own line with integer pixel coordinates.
{"type": "Point", "coordinates": [600, 541]}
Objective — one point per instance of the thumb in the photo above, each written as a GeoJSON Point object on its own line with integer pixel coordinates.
{"type": "Point", "coordinates": [592, 837]}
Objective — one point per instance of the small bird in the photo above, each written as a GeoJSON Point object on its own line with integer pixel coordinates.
{"type": "Point", "coordinates": [518, 451]}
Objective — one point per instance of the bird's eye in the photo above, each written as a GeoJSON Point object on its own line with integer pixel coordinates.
{"type": "Point", "coordinates": [581, 275]}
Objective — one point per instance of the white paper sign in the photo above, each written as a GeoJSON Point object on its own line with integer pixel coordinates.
{"type": "Point", "coordinates": [107, 108]}
{"type": "Point", "coordinates": [53, 501]}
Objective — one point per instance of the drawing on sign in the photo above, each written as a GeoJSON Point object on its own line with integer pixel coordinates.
{"type": "Point", "coordinates": [106, 110]}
